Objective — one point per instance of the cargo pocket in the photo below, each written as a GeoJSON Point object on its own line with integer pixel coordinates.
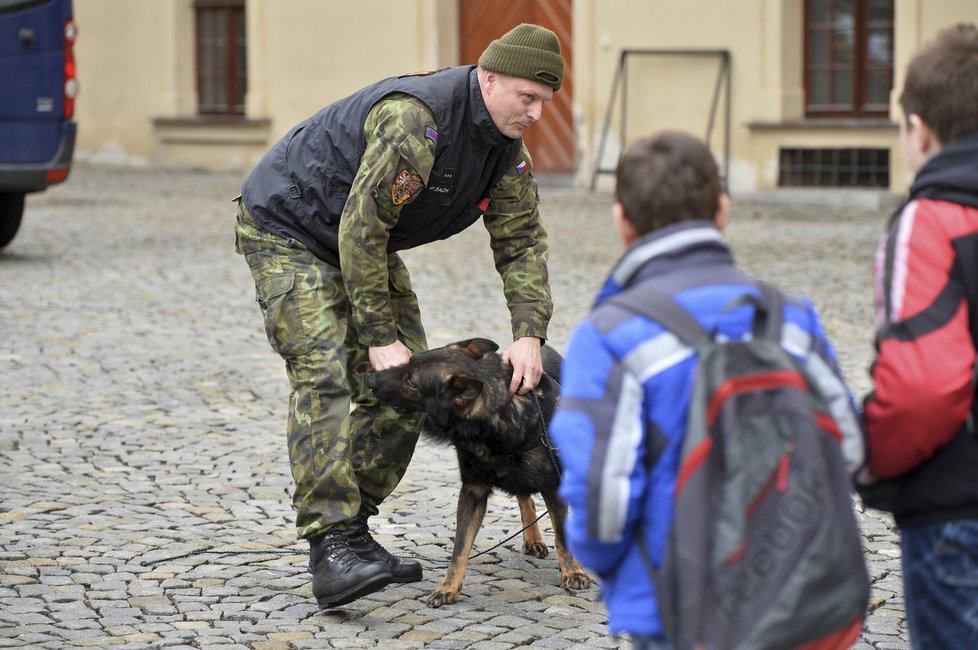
{"type": "Point", "coordinates": [274, 287]}
{"type": "Point", "coordinates": [273, 298]}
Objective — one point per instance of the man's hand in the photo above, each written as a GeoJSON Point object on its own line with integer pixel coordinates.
{"type": "Point", "coordinates": [527, 362]}
{"type": "Point", "coordinates": [389, 356]}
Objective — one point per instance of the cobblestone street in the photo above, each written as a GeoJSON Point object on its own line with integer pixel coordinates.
{"type": "Point", "coordinates": [144, 483]}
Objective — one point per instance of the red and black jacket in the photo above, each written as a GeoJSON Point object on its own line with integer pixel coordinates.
{"type": "Point", "coordinates": [919, 417]}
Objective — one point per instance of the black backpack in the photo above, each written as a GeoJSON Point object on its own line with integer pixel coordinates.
{"type": "Point", "coordinates": [764, 549]}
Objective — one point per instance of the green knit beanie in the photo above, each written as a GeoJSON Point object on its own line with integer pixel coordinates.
{"type": "Point", "coordinates": [529, 52]}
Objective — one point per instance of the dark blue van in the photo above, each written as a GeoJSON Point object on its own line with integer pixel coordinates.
{"type": "Point", "coordinates": [37, 102]}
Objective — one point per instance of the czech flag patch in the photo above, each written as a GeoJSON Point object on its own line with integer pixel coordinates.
{"type": "Point", "coordinates": [520, 168]}
{"type": "Point", "coordinates": [431, 134]}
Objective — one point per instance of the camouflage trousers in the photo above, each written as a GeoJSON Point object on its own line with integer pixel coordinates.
{"type": "Point", "coordinates": [344, 461]}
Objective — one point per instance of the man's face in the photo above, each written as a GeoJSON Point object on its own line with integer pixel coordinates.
{"type": "Point", "coordinates": [514, 103]}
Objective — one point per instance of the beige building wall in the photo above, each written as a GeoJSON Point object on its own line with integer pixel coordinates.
{"type": "Point", "coordinates": [121, 55]}
{"type": "Point", "coordinates": [138, 95]}
{"type": "Point", "coordinates": [136, 67]}
{"type": "Point", "coordinates": [668, 91]}
{"type": "Point", "coordinates": [765, 41]}
{"type": "Point", "coordinates": [308, 53]}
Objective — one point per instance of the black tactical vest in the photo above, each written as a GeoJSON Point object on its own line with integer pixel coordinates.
{"type": "Point", "coordinates": [300, 187]}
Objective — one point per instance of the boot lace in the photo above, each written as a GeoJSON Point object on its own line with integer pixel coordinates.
{"type": "Point", "coordinates": [335, 548]}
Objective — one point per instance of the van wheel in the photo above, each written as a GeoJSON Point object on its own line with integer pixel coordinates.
{"type": "Point", "coordinates": [11, 211]}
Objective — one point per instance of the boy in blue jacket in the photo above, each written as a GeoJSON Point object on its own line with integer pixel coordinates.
{"type": "Point", "coordinates": [619, 434]}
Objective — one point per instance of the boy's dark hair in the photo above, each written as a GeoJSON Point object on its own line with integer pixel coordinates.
{"type": "Point", "coordinates": [666, 178]}
{"type": "Point", "coordinates": [942, 83]}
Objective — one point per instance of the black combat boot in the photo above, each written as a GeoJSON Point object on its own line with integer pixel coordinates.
{"type": "Point", "coordinates": [340, 576]}
{"type": "Point", "coordinates": [364, 545]}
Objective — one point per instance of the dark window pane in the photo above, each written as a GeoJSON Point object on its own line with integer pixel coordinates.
{"type": "Point", "coordinates": [240, 55]}
{"type": "Point", "coordinates": [880, 83]}
{"type": "Point", "coordinates": [208, 94]}
{"type": "Point", "coordinates": [843, 47]}
{"type": "Point", "coordinates": [818, 11]}
{"type": "Point", "coordinates": [842, 87]}
{"type": "Point", "coordinates": [818, 87]}
{"type": "Point", "coordinates": [206, 23]}
{"type": "Point", "coordinates": [819, 52]}
{"type": "Point", "coordinates": [880, 10]}
{"type": "Point", "coordinates": [843, 15]}
{"type": "Point", "coordinates": [207, 68]}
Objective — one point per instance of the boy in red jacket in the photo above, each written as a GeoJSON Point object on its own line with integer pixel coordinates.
{"type": "Point", "coordinates": [922, 443]}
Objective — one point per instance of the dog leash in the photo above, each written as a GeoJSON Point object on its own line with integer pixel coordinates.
{"type": "Point", "coordinates": [304, 551]}
{"type": "Point", "coordinates": [544, 436]}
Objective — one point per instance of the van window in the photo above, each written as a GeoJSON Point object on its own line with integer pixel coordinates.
{"type": "Point", "coordinates": [15, 5]}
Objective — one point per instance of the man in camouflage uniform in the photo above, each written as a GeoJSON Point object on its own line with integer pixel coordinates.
{"type": "Point", "coordinates": [403, 162]}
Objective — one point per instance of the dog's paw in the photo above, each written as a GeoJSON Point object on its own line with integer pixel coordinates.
{"type": "Point", "coordinates": [442, 597]}
{"type": "Point", "coordinates": [576, 581]}
{"type": "Point", "coordinates": [536, 549]}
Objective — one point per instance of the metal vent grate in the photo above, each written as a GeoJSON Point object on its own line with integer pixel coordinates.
{"type": "Point", "coordinates": [834, 168]}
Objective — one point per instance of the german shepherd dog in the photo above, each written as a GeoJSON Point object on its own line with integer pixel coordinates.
{"type": "Point", "coordinates": [500, 440]}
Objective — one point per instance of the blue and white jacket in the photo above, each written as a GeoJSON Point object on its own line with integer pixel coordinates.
{"type": "Point", "coordinates": [610, 420]}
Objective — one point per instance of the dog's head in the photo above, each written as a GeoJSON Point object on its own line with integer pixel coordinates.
{"type": "Point", "coordinates": [445, 382]}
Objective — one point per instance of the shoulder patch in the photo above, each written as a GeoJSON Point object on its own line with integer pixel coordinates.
{"type": "Point", "coordinates": [521, 167]}
{"type": "Point", "coordinates": [431, 134]}
{"type": "Point", "coordinates": [405, 186]}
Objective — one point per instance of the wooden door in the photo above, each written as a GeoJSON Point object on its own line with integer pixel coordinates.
{"type": "Point", "coordinates": [551, 140]}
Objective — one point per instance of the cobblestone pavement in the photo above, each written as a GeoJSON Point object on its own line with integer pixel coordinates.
{"type": "Point", "coordinates": [144, 489]}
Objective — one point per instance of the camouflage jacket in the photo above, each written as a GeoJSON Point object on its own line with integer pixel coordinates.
{"type": "Point", "coordinates": [427, 151]}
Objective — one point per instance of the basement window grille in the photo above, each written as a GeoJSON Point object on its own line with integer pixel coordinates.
{"type": "Point", "coordinates": [799, 167]}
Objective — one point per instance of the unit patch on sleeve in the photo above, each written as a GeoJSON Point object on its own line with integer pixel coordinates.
{"type": "Point", "coordinates": [405, 186]}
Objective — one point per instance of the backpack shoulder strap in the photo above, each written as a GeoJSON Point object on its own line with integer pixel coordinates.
{"type": "Point", "coordinates": [665, 311]}
{"type": "Point", "coordinates": [773, 318]}
{"type": "Point", "coordinates": [768, 319]}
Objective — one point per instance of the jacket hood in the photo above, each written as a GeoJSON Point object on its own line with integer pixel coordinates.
{"type": "Point", "coordinates": [661, 246]}
{"type": "Point", "coordinates": [954, 168]}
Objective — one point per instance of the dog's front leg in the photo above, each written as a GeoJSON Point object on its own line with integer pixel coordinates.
{"type": "Point", "coordinates": [471, 511]}
{"type": "Point", "coordinates": [572, 575]}
{"type": "Point", "coordinates": [533, 543]}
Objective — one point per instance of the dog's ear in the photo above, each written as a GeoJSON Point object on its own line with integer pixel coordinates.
{"type": "Point", "coordinates": [465, 389]}
{"type": "Point", "coordinates": [477, 348]}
